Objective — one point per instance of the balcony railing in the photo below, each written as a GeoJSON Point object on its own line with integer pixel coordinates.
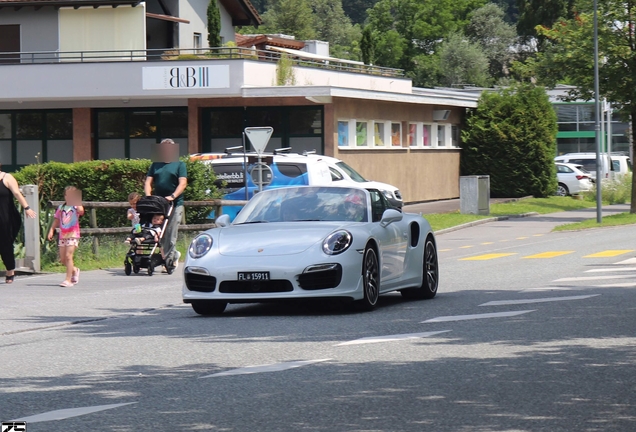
{"type": "Point", "coordinates": [155, 55]}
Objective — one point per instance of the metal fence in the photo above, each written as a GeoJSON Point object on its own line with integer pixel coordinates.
{"type": "Point", "coordinates": [193, 54]}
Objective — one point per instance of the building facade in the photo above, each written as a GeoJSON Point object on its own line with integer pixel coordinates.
{"type": "Point", "coordinates": [84, 107]}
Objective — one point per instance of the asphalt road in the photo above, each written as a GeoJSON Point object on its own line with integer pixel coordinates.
{"type": "Point", "coordinates": [530, 331]}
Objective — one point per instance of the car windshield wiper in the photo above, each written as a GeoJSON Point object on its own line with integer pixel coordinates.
{"type": "Point", "coordinates": [253, 222]}
{"type": "Point", "coordinates": [306, 220]}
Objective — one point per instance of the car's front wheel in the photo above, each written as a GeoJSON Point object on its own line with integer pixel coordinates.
{"type": "Point", "coordinates": [209, 307]}
{"type": "Point", "coordinates": [370, 280]}
{"type": "Point", "coordinates": [562, 190]}
{"type": "Point", "coordinates": [430, 276]}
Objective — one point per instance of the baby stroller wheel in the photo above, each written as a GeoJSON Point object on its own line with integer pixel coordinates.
{"type": "Point", "coordinates": [127, 268]}
{"type": "Point", "coordinates": [136, 269]}
{"type": "Point", "coordinates": [150, 270]}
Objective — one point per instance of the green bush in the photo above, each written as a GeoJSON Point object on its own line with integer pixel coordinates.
{"type": "Point", "coordinates": [617, 191]}
{"type": "Point", "coordinates": [112, 181]}
{"type": "Point", "coordinates": [511, 137]}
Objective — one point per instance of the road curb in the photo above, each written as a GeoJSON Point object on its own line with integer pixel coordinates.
{"type": "Point", "coordinates": [483, 221]}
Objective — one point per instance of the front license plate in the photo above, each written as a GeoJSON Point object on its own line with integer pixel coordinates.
{"type": "Point", "coordinates": [253, 276]}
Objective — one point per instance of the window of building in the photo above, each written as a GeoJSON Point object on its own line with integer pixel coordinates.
{"type": "Point", "coordinates": [9, 43]}
{"type": "Point", "coordinates": [133, 133]}
{"type": "Point", "coordinates": [415, 135]}
{"type": "Point", "coordinates": [455, 136]}
{"type": "Point", "coordinates": [300, 128]}
{"type": "Point", "coordinates": [28, 137]}
{"type": "Point", "coordinates": [379, 134]}
{"type": "Point", "coordinates": [427, 138]}
{"type": "Point", "coordinates": [361, 134]}
{"type": "Point", "coordinates": [343, 133]}
{"type": "Point", "coordinates": [196, 43]}
{"type": "Point", "coordinates": [396, 134]}
{"type": "Point", "coordinates": [441, 135]}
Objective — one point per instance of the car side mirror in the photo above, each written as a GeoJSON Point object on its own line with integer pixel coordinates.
{"type": "Point", "coordinates": [223, 221]}
{"type": "Point", "coordinates": [389, 216]}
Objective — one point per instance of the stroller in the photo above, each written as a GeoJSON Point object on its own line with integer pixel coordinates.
{"type": "Point", "coordinates": [147, 255]}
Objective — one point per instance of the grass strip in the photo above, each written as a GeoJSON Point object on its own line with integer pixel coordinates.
{"type": "Point", "coordinates": [553, 204]}
{"type": "Point", "coordinates": [607, 221]}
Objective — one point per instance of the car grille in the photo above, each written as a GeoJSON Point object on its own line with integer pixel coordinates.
{"type": "Point", "coordinates": [321, 279]}
{"type": "Point", "coordinates": [265, 286]}
{"type": "Point", "coordinates": [199, 282]}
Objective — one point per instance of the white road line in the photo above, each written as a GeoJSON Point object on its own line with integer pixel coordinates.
{"type": "Point", "coordinates": [391, 338]}
{"type": "Point", "coordinates": [539, 300]}
{"type": "Point", "coordinates": [275, 367]}
{"type": "Point", "coordinates": [612, 269]}
{"type": "Point", "coordinates": [546, 289]}
{"type": "Point", "coordinates": [68, 413]}
{"type": "Point", "coordinates": [592, 278]}
{"type": "Point", "coordinates": [475, 316]}
{"type": "Point", "coordinates": [619, 285]}
{"type": "Point", "coordinates": [627, 261]}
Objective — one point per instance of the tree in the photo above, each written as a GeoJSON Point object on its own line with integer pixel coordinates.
{"type": "Point", "coordinates": [214, 24]}
{"type": "Point", "coordinates": [511, 137]}
{"type": "Point", "coordinates": [356, 10]}
{"type": "Point", "coordinates": [291, 17]}
{"type": "Point", "coordinates": [511, 10]}
{"type": "Point", "coordinates": [331, 23]}
{"type": "Point", "coordinates": [533, 13]}
{"type": "Point", "coordinates": [496, 37]}
{"type": "Point", "coordinates": [462, 62]}
{"type": "Point", "coordinates": [407, 29]}
{"type": "Point", "coordinates": [367, 46]}
{"type": "Point", "coordinates": [569, 58]}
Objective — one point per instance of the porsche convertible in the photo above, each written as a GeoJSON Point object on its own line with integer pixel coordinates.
{"type": "Point", "coordinates": [311, 242]}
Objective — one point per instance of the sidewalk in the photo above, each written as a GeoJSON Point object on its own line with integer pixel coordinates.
{"type": "Point", "coordinates": [446, 206]}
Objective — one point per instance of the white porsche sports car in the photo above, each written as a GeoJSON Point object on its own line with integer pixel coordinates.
{"type": "Point", "coordinates": [312, 242]}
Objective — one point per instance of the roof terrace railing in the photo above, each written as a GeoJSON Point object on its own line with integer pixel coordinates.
{"type": "Point", "coordinates": [191, 54]}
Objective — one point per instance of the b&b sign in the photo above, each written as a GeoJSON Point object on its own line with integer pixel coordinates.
{"type": "Point", "coordinates": [14, 426]}
{"type": "Point", "coordinates": [186, 77]}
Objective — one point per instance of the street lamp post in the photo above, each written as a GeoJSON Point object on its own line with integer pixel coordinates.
{"type": "Point", "coordinates": [597, 122]}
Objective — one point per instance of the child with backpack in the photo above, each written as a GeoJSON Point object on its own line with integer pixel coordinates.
{"type": "Point", "coordinates": [67, 220]}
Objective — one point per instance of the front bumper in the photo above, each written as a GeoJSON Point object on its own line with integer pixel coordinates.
{"type": "Point", "coordinates": [218, 280]}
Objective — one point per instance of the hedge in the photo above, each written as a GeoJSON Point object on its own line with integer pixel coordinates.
{"type": "Point", "coordinates": [112, 181]}
{"type": "Point", "coordinates": [511, 137]}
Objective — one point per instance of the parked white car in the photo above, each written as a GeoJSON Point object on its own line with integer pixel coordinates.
{"type": "Point", "coordinates": [573, 179]}
{"type": "Point", "coordinates": [291, 169]}
{"type": "Point", "coordinates": [616, 163]}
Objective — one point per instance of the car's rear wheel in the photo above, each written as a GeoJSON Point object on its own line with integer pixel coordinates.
{"type": "Point", "coordinates": [430, 279]}
{"type": "Point", "coordinates": [562, 190]}
{"type": "Point", "coordinates": [370, 280]}
{"type": "Point", "coordinates": [209, 307]}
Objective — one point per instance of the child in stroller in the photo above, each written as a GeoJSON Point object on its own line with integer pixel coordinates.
{"type": "Point", "coordinates": [145, 252]}
{"type": "Point", "coordinates": [147, 231]}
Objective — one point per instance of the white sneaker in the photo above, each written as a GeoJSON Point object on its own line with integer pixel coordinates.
{"type": "Point", "coordinates": [175, 262]}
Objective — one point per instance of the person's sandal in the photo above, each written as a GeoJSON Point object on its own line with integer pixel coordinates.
{"type": "Point", "coordinates": [9, 279]}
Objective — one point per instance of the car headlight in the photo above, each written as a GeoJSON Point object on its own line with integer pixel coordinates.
{"type": "Point", "coordinates": [388, 194]}
{"type": "Point", "coordinates": [337, 242]}
{"type": "Point", "coordinates": [200, 246]}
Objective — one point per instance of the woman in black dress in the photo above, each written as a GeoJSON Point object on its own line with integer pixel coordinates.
{"type": "Point", "coordinates": [10, 220]}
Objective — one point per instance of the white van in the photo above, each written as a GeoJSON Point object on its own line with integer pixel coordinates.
{"type": "Point", "coordinates": [290, 169]}
{"type": "Point", "coordinates": [616, 163]}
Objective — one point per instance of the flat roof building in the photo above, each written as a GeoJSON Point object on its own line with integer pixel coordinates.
{"type": "Point", "coordinates": [92, 79]}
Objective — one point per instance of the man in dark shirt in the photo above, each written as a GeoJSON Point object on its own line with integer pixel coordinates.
{"type": "Point", "coordinates": [169, 179]}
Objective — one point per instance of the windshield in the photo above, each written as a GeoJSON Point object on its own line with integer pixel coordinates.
{"type": "Point", "coordinates": [355, 175]}
{"type": "Point", "coordinates": [301, 204]}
